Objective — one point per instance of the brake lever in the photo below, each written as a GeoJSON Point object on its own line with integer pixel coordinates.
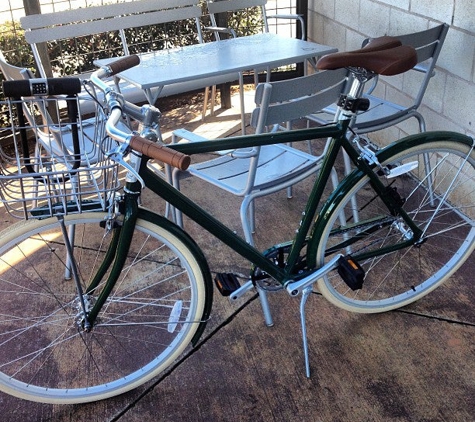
{"type": "Point", "coordinates": [117, 154]}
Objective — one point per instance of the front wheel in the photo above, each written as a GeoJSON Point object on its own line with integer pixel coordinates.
{"type": "Point", "coordinates": [151, 315]}
{"type": "Point", "coordinates": [438, 194]}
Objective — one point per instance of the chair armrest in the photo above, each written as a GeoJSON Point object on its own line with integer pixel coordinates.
{"type": "Point", "coordinates": [221, 30]}
{"type": "Point", "coordinates": [423, 68]}
{"type": "Point", "coordinates": [296, 17]}
{"type": "Point", "coordinates": [187, 136]}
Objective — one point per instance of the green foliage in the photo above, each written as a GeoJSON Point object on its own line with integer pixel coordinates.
{"type": "Point", "coordinates": [17, 52]}
{"type": "Point", "coordinates": [14, 46]}
{"type": "Point", "coordinates": [246, 22]}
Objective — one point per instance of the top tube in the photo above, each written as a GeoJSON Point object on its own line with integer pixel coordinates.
{"type": "Point", "coordinates": [333, 130]}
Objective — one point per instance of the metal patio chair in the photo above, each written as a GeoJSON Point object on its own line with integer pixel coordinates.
{"type": "Point", "coordinates": [216, 7]}
{"type": "Point", "coordinates": [254, 172]}
{"type": "Point", "coordinates": [384, 113]}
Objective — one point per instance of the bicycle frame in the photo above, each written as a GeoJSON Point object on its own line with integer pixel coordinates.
{"type": "Point", "coordinates": [127, 291]}
{"type": "Point", "coordinates": [305, 235]}
{"type": "Point", "coordinates": [290, 275]}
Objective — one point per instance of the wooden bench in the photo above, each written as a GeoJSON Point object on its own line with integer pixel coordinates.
{"type": "Point", "coordinates": [45, 28]}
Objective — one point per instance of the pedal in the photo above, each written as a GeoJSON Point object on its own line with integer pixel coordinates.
{"type": "Point", "coordinates": [402, 169]}
{"type": "Point", "coordinates": [226, 283]}
{"type": "Point", "coordinates": [351, 272]}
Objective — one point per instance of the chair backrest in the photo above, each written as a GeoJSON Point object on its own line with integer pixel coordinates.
{"type": "Point", "coordinates": [384, 112]}
{"type": "Point", "coordinates": [54, 136]}
{"type": "Point", "coordinates": [428, 45]}
{"type": "Point", "coordinates": [216, 7]}
{"type": "Point", "coordinates": [223, 6]}
{"type": "Point", "coordinates": [118, 17]}
{"type": "Point", "coordinates": [283, 101]}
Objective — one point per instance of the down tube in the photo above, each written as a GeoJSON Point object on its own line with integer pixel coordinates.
{"type": "Point", "coordinates": [173, 196]}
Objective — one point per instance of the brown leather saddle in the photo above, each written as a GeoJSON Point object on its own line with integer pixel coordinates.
{"type": "Point", "coordinates": [383, 56]}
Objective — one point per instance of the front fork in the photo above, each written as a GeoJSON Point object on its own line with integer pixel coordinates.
{"type": "Point", "coordinates": [123, 230]}
{"type": "Point", "coordinates": [117, 252]}
{"type": "Point", "coordinates": [114, 260]}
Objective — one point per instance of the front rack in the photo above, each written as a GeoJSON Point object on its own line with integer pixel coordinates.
{"type": "Point", "coordinates": [52, 161]}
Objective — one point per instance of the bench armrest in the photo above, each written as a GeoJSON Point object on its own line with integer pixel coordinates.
{"type": "Point", "coordinates": [296, 17]}
{"type": "Point", "coordinates": [222, 30]}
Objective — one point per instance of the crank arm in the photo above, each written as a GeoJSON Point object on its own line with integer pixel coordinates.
{"type": "Point", "coordinates": [294, 288]}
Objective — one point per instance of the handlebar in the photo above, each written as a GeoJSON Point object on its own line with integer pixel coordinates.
{"type": "Point", "coordinates": [136, 142]}
{"type": "Point", "coordinates": [72, 86]}
{"type": "Point", "coordinates": [122, 64]}
{"type": "Point", "coordinates": [40, 87]}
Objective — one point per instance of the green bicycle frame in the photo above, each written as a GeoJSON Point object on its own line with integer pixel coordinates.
{"type": "Point", "coordinates": [305, 234]}
{"type": "Point", "coordinates": [312, 222]}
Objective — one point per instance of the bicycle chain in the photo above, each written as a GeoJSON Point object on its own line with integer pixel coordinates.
{"type": "Point", "coordinates": [363, 226]}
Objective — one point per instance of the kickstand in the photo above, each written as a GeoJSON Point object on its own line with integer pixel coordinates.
{"type": "Point", "coordinates": [305, 294]}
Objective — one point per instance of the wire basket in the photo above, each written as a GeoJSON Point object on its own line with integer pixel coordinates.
{"type": "Point", "coordinates": [53, 162]}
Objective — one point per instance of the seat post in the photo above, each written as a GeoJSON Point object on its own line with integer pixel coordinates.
{"type": "Point", "coordinates": [359, 79]}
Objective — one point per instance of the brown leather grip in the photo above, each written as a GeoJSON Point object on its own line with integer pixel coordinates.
{"type": "Point", "coordinates": [160, 152]}
{"type": "Point", "coordinates": [123, 64]}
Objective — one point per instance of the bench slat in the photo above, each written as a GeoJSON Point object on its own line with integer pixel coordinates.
{"type": "Point", "coordinates": [229, 5]}
{"type": "Point", "coordinates": [98, 26]}
{"type": "Point", "coordinates": [103, 12]}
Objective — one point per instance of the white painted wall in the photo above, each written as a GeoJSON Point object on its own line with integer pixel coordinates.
{"type": "Point", "coordinates": [449, 103]}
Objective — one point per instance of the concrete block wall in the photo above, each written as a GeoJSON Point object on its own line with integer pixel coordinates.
{"type": "Point", "coordinates": [449, 103]}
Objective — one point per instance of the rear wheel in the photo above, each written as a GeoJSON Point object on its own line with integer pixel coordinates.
{"type": "Point", "coordinates": [147, 321]}
{"type": "Point", "coordinates": [439, 197]}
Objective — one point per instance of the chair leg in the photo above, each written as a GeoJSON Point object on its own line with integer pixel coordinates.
{"type": "Point", "coordinates": [334, 177]}
{"type": "Point", "coordinates": [421, 121]}
{"type": "Point", "coordinates": [205, 103]}
{"type": "Point", "coordinates": [175, 212]}
{"type": "Point", "coordinates": [241, 98]}
{"type": "Point", "coordinates": [246, 221]}
{"type": "Point", "coordinates": [213, 100]}
{"type": "Point", "coordinates": [247, 217]}
{"type": "Point", "coordinates": [252, 216]}
{"type": "Point", "coordinates": [430, 180]}
{"type": "Point", "coordinates": [265, 306]}
{"type": "Point", "coordinates": [430, 186]}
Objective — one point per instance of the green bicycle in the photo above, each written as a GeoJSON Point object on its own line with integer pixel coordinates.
{"type": "Point", "coordinates": [99, 296]}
